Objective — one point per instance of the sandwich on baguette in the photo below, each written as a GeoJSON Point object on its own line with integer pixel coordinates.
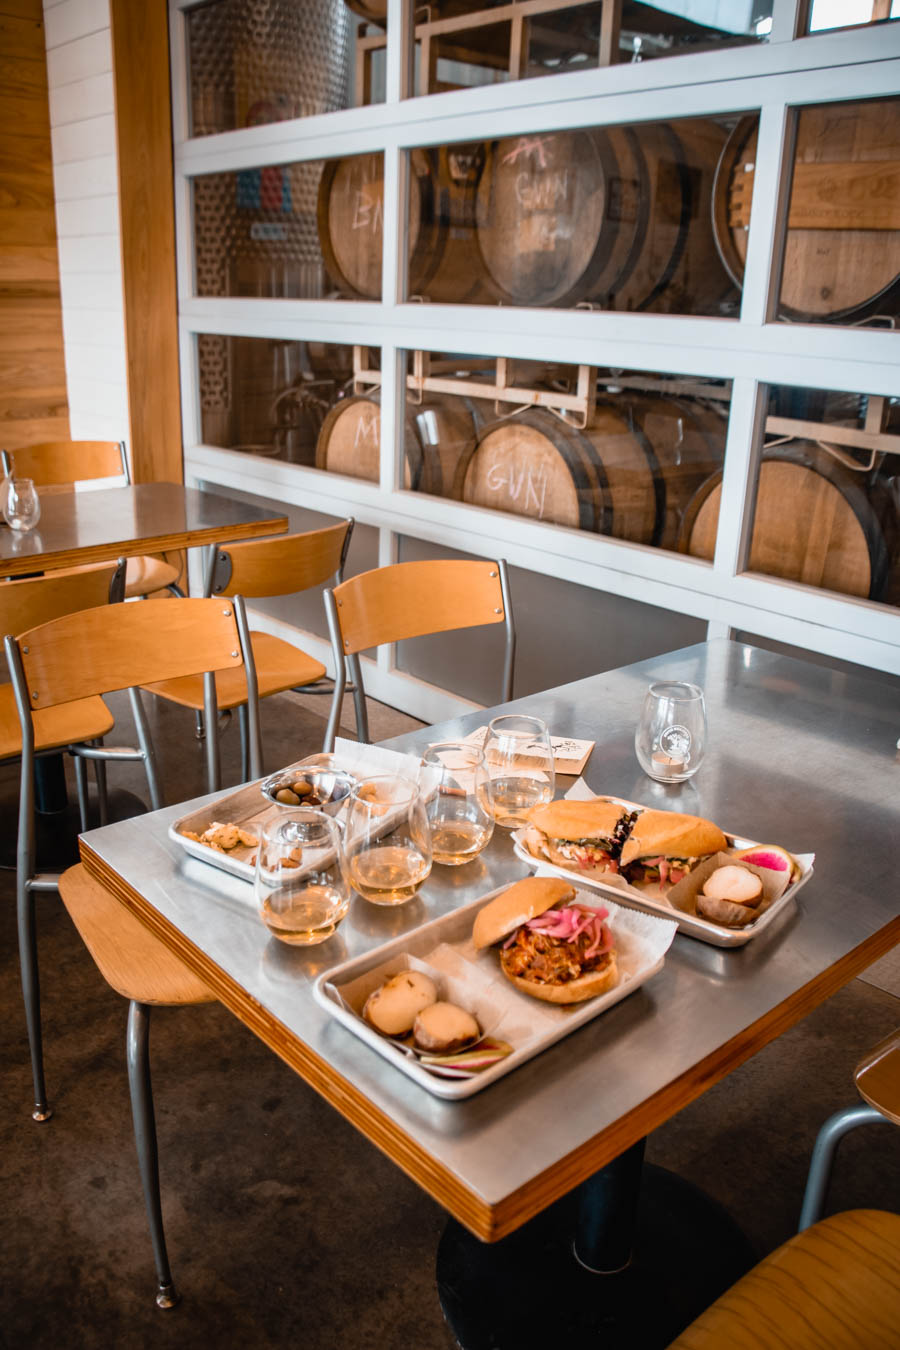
{"type": "Point", "coordinates": [553, 949]}
{"type": "Point", "coordinates": [583, 836]}
{"type": "Point", "coordinates": [664, 846]}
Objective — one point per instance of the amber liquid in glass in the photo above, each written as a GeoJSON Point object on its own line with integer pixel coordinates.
{"type": "Point", "coordinates": [389, 874]}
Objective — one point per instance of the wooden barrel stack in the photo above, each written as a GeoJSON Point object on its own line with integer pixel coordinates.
{"type": "Point", "coordinates": [444, 262]}
{"type": "Point", "coordinates": [629, 474]}
{"type": "Point", "coordinates": [618, 217]}
{"type": "Point", "coordinates": [842, 254]}
{"type": "Point", "coordinates": [438, 432]}
{"type": "Point", "coordinates": [815, 522]}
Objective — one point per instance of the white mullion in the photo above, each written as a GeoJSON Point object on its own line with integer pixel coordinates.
{"type": "Point", "coordinates": [600, 561]}
{"type": "Point", "coordinates": [745, 423]}
{"type": "Point", "coordinates": [388, 553]}
{"type": "Point", "coordinates": [779, 353]}
{"type": "Point", "coordinates": [178, 67]}
{"type": "Point", "coordinates": [398, 62]}
{"type": "Point", "coordinates": [768, 214]}
{"type": "Point", "coordinates": [788, 20]}
{"type": "Point", "coordinates": [823, 622]}
{"type": "Point", "coordinates": [393, 368]}
{"type": "Point", "coordinates": [191, 410]}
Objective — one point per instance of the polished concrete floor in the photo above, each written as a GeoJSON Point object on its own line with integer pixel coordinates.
{"type": "Point", "coordinates": [285, 1227]}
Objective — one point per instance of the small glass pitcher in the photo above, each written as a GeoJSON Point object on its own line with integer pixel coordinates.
{"type": "Point", "coordinates": [21, 504]}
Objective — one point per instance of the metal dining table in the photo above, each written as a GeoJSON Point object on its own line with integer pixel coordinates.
{"type": "Point", "coordinates": [797, 754]}
{"type": "Point", "coordinates": [125, 522]}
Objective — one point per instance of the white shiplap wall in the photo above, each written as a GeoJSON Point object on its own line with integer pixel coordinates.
{"type": "Point", "coordinates": [83, 134]}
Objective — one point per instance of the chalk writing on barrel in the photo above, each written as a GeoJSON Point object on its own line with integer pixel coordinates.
{"type": "Point", "coordinates": [368, 212]}
{"type": "Point", "coordinates": [525, 486]}
{"type": "Point", "coordinates": [367, 430]}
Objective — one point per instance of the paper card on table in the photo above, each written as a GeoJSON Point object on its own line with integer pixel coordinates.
{"type": "Point", "coordinates": [569, 755]}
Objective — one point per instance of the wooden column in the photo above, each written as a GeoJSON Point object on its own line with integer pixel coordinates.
{"type": "Point", "coordinates": [33, 404]}
{"type": "Point", "coordinates": [140, 41]}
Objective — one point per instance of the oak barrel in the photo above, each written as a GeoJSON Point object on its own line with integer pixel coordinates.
{"type": "Point", "coordinates": [350, 441]}
{"type": "Point", "coordinates": [842, 253]}
{"type": "Point", "coordinates": [615, 216]}
{"type": "Point", "coordinates": [444, 261]}
{"type": "Point", "coordinates": [815, 522]}
{"type": "Point", "coordinates": [686, 443]}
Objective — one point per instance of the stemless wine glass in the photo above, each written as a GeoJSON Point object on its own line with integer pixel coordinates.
{"type": "Point", "coordinates": [22, 507]}
{"type": "Point", "coordinates": [387, 845]}
{"type": "Point", "coordinates": [300, 887]}
{"type": "Point", "coordinates": [520, 762]}
{"type": "Point", "coordinates": [671, 735]}
{"type": "Point", "coordinates": [454, 780]}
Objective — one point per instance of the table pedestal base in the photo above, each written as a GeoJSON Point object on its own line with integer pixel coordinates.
{"type": "Point", "coordinates": [529, 1289]}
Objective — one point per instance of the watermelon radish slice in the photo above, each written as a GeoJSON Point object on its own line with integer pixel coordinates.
{"type": "Point", "coordinates": [770, 856]}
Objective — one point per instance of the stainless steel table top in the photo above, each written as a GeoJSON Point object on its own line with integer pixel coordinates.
{"type": "Point", "coordinates": [797, 755]}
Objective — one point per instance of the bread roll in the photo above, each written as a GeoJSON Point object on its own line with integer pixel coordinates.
{"type": "Point", "coordinates": [443, 1027]}
{"type": "Point", "coordinates": [392, 1009]}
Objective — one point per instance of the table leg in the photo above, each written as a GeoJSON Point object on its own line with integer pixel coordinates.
{"type": "Point", "coordinates": [543, 1282]}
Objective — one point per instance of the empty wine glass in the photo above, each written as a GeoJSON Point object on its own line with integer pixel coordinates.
{"type": "Point", "coordinates": [455, 780]}
{"type": "Point", "coordinates": [22, 506]}
{"type": "Point", "coordinates": [671, 735]}
{"type": "Point", "coordinates": [300, 887]}
{"type": "Point", "coordinates": [387, 845]}
{"type": "Point", "coordinates": [520, 762]}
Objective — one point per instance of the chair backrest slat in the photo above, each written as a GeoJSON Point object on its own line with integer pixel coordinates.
{"type": "Point", "coordinates": [54, 462]}
{"type": "Point", "coordinates": [37, 600]}
{"type": "Point", "coordinates": [287, 563]}
{"type": "Point", "coordinates": [411, 599]}
{"type": "Point", "coordinates": [123, 645]}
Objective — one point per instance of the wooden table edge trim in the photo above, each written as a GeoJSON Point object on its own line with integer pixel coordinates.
{"type": "Point", "coordinates": [131, 548]}
{"type": "Point", "coordinates": [493, 1222]}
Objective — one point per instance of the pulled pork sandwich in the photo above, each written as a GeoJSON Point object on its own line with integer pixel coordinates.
{"type": "Point", "coordinates": [664, 846]}
{"type": "Point", "coordinates": [581, 836]}
{"type": "Point", "coordinates": [554, 948]}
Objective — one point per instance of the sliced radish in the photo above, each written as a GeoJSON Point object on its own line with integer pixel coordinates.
{"type": "Point", "coordinates": [773, 857]}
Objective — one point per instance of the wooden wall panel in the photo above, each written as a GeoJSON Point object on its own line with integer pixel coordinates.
{"type": "Point", "coordinates": [33, 403]}
{"type": "Point", "coordinates": [140, 39]}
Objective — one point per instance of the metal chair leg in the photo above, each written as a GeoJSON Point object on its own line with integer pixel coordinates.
{"type": "Point", "coordinates": [81, 784]}
{"type": "Point", "coordinates": [244, 727]}
{"type": "Point", "coordinates": [102, 794]}
{"type": "Point", "coordinates": [145, 741]}
{"type": "Point", "coordinates": [31, 993]}
{"type": "Point", "coordinates": [137, 1048]}
{"type": "Point", "coordinates": [827, 1140]}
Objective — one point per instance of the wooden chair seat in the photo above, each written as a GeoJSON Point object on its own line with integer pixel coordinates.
{"type": "Point", "coordinates": [835, 1285]}
{"type": "Point", "coordinates": [145, 575]}
{"type": "Point", "coordinates": [128, 956]}
{"type": "Point", "coordinates": [279, 666]}
{"type": "Point", "coordinates": [877, 1077]}
{"type": "Point", "coordinates": [65, 724]}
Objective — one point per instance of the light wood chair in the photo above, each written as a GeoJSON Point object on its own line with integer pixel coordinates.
{"type": "Point", "coordinates": [257, 569]}
{"type": "Point", "coordinates": [406, 600]}
{"type": "Point", "coordinates": [64, 463]}
{"type": "Point", "coordinates": [96, 652]}
{"type": "Point", "coordinates": [877, 1079]}
{"type": "Point", "coordinates": [38, 600]}
{"type": "Point", "coordinates": [144, 971]}
{"type": "Point", "coordinates": [835, 1286]}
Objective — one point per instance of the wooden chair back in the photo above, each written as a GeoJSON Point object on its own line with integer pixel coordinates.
{"type": "Point", "coordinates": [280, 566]}
{"type": "Point", "coordinates": [877, 1077]}
{"type": "Point", "coordinates": [38, 600]}
{"type": "Point", "coordinates": [54, 462]}
{"type": "Point", "coordinates": [120, 646]}
{"type": "Point", "coordinates": [408, 600]}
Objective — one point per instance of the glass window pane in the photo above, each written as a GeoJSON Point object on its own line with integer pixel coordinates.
{"type": "Point", "coordinates": [266, 396]}
{"type": "Point", "coordinates": [842, 255]}
{"type": "Point", "coordinates": [609, 218]}
{"type": "Point", "coordinates": [295, 231]}
{"type": "Point", "coordinates": [615, 453]}
{"type": "Point", "coordinates": [825, 14]}
{"type": "Point", "coordinates": [463, 45]}
{"type": "Point", "coordinates": [251, 64]}
{"type": "Point", "coordinates": [827, 497]}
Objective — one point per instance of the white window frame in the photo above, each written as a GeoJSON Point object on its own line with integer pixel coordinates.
{"type": "Point", "coordinates": [751, 351]}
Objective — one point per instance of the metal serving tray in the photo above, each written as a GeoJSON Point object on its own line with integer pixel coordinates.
{"type": "Point", "coordinates": [443, 947]}
{"type": "Point", "coordinates": [693, 924]}
{"type": "Point", "coordinates": [248, 808]}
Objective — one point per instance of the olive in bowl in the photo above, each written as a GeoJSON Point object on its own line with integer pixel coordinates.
{"type": "Point", "coordinates": [325, 789]}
